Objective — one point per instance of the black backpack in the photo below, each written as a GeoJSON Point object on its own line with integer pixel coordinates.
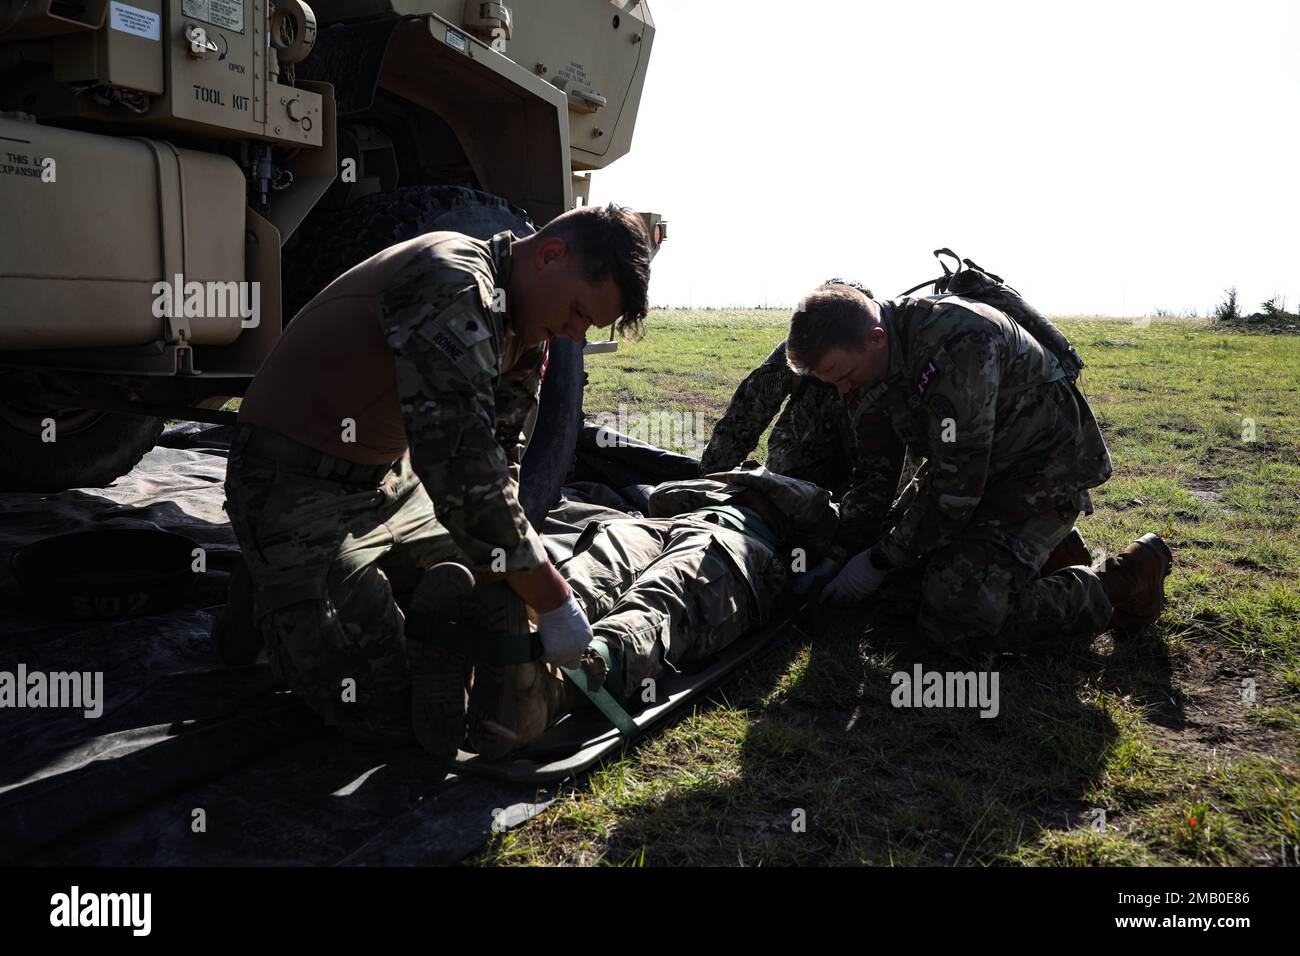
{"type": "Point", "coordinates": [974, 282]}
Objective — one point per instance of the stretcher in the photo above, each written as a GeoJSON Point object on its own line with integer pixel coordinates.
{"type": "Point", "coordinates": [581, 739]}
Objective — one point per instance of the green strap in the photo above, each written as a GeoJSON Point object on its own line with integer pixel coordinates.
{"type": "Point", "coordinates": [599, 695]}
{"type": "Point", "coordinates": [599, 692]}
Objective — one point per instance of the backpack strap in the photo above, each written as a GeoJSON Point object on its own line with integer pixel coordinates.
{"type": "Point", "coordinates": [994, 277]}
{"type": "Point", "coordinates": [1027, 317]}
{"type": "Point", "coordinates": [943, 279]}
{"type": "Point", "coordinates": [940, 253]}
{"type": "Point", "coordinates": [942, 283]}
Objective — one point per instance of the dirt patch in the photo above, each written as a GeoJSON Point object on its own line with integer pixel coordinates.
{"type": "Point", "coordinates": [1204, 488]}
{"type": "Point", "coordinates": [1207, 709]}
{"type": "Point", "coordinates": [1208, 491]}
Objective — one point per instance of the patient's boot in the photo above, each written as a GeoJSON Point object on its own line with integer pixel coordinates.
{"type": "Point", "coordinates": [438, 675]}
{"type": "Point", "coordinates": [493, 708]}
{"type": "Point", "coordinates": [1134, 581]}
{"type": "Point", "coordinates": [1070, 552]}
{"type": "Point", "coordinates": [516, 705]}
{"type": "Point", "coordinates": [234, 636]}
{"type": "Point", "coordinates": [512, 705]}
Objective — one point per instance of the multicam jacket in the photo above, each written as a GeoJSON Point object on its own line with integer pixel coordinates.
{"type": "Point", "coordinates": [973, 392]}
{"type": "Point", "coordinates": [464, 398]}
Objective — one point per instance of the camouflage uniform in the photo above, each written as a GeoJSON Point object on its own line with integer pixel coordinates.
{"type": "Point", "coordinates": [811, 438]}
{"type": "Point", "coordinates": [1011, 450]}
{"type": "Point", "coordinates": [668, 592]}
{"type": "Point", "coordinates": [331, 545]}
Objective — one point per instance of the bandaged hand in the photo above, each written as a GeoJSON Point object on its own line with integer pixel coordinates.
{"type": "Point", "coordinates": [565, 633]}
{"type": "Point", "coordinates": [857, 581]}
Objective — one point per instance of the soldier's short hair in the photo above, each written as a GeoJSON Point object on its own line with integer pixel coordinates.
{"type": "Point", "coordinates": [851, 283]}
{"type": "Point", "coordinates": [833, 315]}
{"type": "Point", "coordinates": [610, 241]}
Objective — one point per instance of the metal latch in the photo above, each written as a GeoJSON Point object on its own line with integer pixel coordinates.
{"type": "Point", "coordinates": [490, 21]}
{"type": "Point", "coordinates": [582, 98]}
{"type": "Point", "coordinates": [590, 99]}
{"type": "Point", "coordinates": [200, 45]}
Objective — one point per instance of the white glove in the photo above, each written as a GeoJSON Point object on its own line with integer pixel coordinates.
{"type": "Point", "coordinates": [566, 632]}
{"type": "Point", "coordinates": [857, 581]}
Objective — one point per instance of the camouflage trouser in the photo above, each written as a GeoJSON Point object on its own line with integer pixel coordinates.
{"type": "Point", "coordinates": [983, 590]}
{"type": "Point", "coordinates": [329, 563]}
{"type": "Point", "coordinates": [809, 440]}
{"type": "Point", "coordinates": [665, 594]}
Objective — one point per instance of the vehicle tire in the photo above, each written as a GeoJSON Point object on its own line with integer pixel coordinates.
{"type": "Point", "coordinates": [334, 241]}
{"type": "Point", "coordinates": [340, 239]}
{"type": "Point", "coordinates": [90, 449]}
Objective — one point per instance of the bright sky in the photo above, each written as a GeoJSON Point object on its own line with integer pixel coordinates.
{"type": "Point", "coordinates": [1104, 157]}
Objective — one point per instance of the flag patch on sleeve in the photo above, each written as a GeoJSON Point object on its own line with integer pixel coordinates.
{"type": "Point", "coordinates": [929, 375]}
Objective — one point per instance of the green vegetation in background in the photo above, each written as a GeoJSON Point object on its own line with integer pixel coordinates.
{"type": "Point", "coordinates": [1204, 428]}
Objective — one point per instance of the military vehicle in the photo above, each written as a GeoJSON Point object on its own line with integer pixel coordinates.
{"type": "Point", "coordinates": [178, 177]}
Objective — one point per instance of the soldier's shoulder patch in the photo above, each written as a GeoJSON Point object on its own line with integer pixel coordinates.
{"type": "Point", "coordinates": [929, 374]}
{"type": "Point", "coordinates": [931, 368]}
{"type": "Point", "coordinates": [463, 335]}
{"type": "Point", "coordinates": [468, 327]}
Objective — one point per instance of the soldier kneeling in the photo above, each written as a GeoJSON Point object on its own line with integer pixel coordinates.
{"type": "Point", "coordinates": [1011, 450]}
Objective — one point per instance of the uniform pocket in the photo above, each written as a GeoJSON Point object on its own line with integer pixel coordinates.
{"type": "Point", "coordinates": [299, 506]}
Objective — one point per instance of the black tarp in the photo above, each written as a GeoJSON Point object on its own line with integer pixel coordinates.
{"type": "Point", "coordinates": [193, 763]}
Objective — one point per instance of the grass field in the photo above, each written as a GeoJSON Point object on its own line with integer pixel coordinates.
{"type": "Point", "coordinates": [1142, 755]}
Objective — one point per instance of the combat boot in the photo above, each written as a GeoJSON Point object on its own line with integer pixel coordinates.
{"type": "Point", "coordinates": [1134, 581]}
{"type": "Point", "coordinates": [1070, 552]}
{"type": "Point", "coordinates": [438, 674]}
{"type": "Point", "coordinates": [495, 698]}
{"type": "Point", "coordinates": [514, 704]}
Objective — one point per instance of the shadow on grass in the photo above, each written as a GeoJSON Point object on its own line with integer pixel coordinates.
{"type": "Point", "coordinates": [808, 761]}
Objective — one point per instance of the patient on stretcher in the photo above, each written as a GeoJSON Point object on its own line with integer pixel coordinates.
{"type": "Point", "coordinates": [665, 594]}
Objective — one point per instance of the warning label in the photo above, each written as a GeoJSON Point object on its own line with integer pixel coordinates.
{"type": "Point", "coordinates": [30, 167]}
{"type": "Point", "coordinates": [227, 14]}
{"type": "Point", "coordinates": [127, 19]}
{"type": "Point", "coordinates": [573, 71]}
